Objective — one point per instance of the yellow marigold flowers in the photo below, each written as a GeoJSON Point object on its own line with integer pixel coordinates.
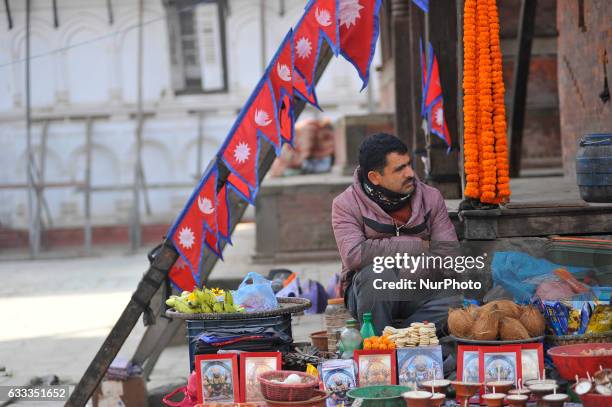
{"type": "Point", "coordinates": [484, 114]}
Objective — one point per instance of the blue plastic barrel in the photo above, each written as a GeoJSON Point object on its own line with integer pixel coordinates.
{"type": "Point", "coordinates": [594, 167]}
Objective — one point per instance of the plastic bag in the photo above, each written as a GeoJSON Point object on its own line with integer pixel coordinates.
{"type": "Point", "coordinates": [255, 294]}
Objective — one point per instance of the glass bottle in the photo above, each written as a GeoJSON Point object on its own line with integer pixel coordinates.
{"type": "Point", "coordinates": [350, 339]}
{"type": "Point", "coordinates": [367, 328]}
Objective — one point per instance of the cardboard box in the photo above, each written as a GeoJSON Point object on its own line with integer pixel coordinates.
{"type": "Point", "coordinates": [132, 392]}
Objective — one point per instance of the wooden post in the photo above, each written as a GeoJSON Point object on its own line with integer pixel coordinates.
{"type": "Point", "coordinates": [519, 83]}
{"type": "Point", "coordinates": [442, 33]}
{"type": "Point", "coordinates": [88, 154]}
{"type": "Point", "coordinates": [402, 63]}
{"type": "Point", "coordinates": [417, 29]}
{"type": "Point", "coordinates": [459, 113]}
{"type": "Point", "coordinates": [135, 231]}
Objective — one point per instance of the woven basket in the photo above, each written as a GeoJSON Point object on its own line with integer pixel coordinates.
{"type": "Point", "coordinates": [287, 392]}
{"type": "Point", "coordinates": [286, 305]}
{"type": "Point", "coordinates": [602, 337]}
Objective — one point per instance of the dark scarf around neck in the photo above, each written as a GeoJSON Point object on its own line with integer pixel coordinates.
{"type": "Point", "coordinates": [388, 200]}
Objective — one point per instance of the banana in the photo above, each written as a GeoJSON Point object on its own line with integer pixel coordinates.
{"type": "Point", "coordinates": [170, 301]}
{"type": "Point", "coordinates": [218, 307]}
{"type": "Point", "coordinates": [205, 308]}
{"type": "Point", "coordinates": [181, 306]}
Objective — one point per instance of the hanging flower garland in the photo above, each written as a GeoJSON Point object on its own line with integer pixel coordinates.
{"type": "Point", "coordinates": [485, 149]}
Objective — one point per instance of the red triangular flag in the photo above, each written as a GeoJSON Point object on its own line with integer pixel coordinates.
{"type": "Point", "coordinates": [187, 231]}
{"type": "Point", "coordinates": [433, 88]}
{"type": "Point", "coordinates": [241, 150]}
{"type": "Point", "coordinates": [437, 121]}
{"type": "Point", "coordinates": [358, 20]}
{"type": "Point", "coordinates": [301, 89]}
{"type": "Point", "coordinates": [207, 201]}
{"type": "Point", "coordinates": [281, 69]}
{"type": "Point", "coordinates": [263, 113]}
{"type": "Point", "coordinates": [241, 188]}
{"type": "Point", "coordinates": [181, 277]}
{"type": "Point", "coordinates": [212, 242]}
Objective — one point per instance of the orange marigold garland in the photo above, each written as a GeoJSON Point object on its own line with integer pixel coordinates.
{"type": "Point", "coordinates": [470, 101]}
{"type": "Point", "coordinates": [485, 150]}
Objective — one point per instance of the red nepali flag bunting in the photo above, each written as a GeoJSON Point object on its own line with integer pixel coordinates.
{"type": "Point", "coordinates": [212, 242]}
{"type": "Point", "coordinates": [241, 150]}
{"type": "Point", "coordinates": [303, 92]}
{"type": "Point", "coordinates": [433, 88]}
{"type": "Point", "coordinates": [359, 26]}
{"type": "Point", "coordinates": [263, 116]}
{"type": "Point", "coordinates": [241, 188]}
{"type": "Point", "coordinates": [437, 122]}
{"type": "Point", "coordinates": [280, 70]}
{"type": "Point", "coordinates": [187, 233]}
{"type": "Point", "coordinates": [181, 277]}
{"type": "Point", "coordinates": [318, 22]}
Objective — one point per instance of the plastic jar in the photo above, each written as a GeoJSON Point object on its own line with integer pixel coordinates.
{"type": "Point", "coordinates": [336, 315]}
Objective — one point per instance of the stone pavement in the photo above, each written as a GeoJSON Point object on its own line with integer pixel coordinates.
{"type": "Point", "coordinates": [57, 312]}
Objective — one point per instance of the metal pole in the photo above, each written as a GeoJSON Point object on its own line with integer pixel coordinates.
{"type": "Point", "coordinates": [88, 153]}
{"type": "Point", "coordinates": [135, 226]}
{"type": "Point", "coordinates": [34, 232]}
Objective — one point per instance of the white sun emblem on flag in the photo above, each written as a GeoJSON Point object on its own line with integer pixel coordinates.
{"type": "Point", "coordinates": [242, 152]}
{"type": "Point", "coordinates": [303, 48]}
{"type": "Point", "coordinates": [262, 118]}
{"type": "Point", "coordinates": [439, 117]}
{"type": "Point", "coordinates": [186, 238]}
{"type": "Point", "coordinates": [205, 205]}
{"type": "Point", "coordinates": [323, 17]}
{"type": "Point", "coordinates": [283, 72]}
{"type": "Point", "coordinates": [349, 12]}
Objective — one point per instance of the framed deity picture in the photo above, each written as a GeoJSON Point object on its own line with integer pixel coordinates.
{"type": "Point", "coordinates": [217, 378]}
{"type": "Point", "coordinates": [532, 361]}
{"type": "Point", "coordinates": [500, 363]}
{"type": "Point", "coordinates": [468, 364]}
{"type": "Point", "coordinates": [338, 377]}
{"type": "Point", "coordinates": [419, 363]}
{"type": "Point", "coordinates": [375, 367]}
{"type": "Point", "coordinates": [252, 364]}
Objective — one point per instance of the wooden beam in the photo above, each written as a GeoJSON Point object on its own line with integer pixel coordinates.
{"type": "Point", "coordinates": [150, 283]}
{"type": "Point", "coordinates": [459, 112]}
{"type": "Point", "coordinates": [417, 29]}
{"type": "Point", "coordinates": [519, 83]}
{"type": "Point", "coordinates": [402, 63]}
{"type": "Point", "coordinates": [442, 33]}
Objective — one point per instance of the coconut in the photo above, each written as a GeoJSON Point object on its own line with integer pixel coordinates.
{"type": "Point", "coordinates": [532, 320]}
{"type": "Point", "coordinates": [474, 310]}
{"type": "Point", "coordinates": [506, 307]}
{"type": "Point", "coordinates": [486, 326]}
{"type": "Point", "coordinates": [510, 329]}
{"type": "Point", "coordinates": [460, 323]}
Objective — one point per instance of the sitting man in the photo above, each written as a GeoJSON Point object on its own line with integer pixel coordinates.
{"type": "Point", "coordinates": [387, 210]}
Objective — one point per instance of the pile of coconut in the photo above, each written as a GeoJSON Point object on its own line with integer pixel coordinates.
{"type": "Point", "coordinates": [501, 319]}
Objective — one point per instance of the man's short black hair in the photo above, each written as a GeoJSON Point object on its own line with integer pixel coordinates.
{"type": "Point", "coordinates": [374, 149]}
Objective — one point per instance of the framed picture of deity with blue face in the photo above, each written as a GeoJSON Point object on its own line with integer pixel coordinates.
{"type": "Point", "coordinates": [217, 378]}
{"type": "Point", "coordinates": [418, 364]}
